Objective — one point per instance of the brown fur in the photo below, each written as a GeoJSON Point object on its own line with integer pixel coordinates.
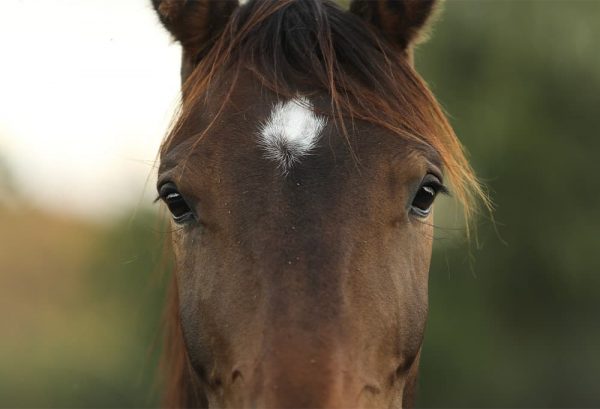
{"type": "Point", "coordinates": [308, 290]}
{"type": "Point", "coordinates": [402, 23]}
{"type": "Point", "coordinates": [195, 24]}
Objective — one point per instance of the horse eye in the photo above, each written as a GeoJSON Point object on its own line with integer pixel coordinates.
{"type": "Point", "coordinates": [177, 205]}
{"type": "Point", "coordinates": [423, 200]}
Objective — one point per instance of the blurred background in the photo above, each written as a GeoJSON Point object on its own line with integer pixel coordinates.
{"type": "Point", "coordinates": [86, 94]}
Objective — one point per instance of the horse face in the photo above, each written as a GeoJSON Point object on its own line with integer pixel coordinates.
{"type": "Point", "coordinates": [302, 249]}
{"type": "Point", "coordinates": [302, 274]}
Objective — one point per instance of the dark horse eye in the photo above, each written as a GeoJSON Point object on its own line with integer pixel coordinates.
{"type": "Point", "coordinates": [423, 200]}
{"type": "Point", "coordinates": [177, 205]}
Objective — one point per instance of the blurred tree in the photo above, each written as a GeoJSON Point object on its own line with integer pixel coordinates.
{"type": "Point", "coordinates": [127, 280]}
{"type": "Point", "coordinates": [82, 306]}
{"type": "Point", "coordinates": [518, 327]}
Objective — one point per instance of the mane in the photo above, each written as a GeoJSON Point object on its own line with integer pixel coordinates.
{"type": "Point", "coordinates": [291, 46]}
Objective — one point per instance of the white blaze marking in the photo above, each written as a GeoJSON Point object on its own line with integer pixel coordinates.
{"type": "Point", "coordinates": [291, 131]}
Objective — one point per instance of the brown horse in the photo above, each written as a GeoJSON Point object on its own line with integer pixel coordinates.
{"type": "Point", "coordinates": [300, 174]}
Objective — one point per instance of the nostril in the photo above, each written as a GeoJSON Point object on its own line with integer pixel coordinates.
{"type": "Point", "coordinates": [235, 375]}
{"type": "Point", "coordinates": [217, 382]}
{"type": "Point", "coordinates": [405, 366]}
{"type": "Point", "coordinates": [372, 389]}
{"type": "Point", "coordinates": [402, 368]}
{"type": "Point", "coordinates": [399, 373]}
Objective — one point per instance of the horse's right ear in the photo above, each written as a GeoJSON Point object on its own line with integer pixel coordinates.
{"type": "Point", "coordinates": [404, 23]}
{"type": "Point", "coordinates": [195, 24]}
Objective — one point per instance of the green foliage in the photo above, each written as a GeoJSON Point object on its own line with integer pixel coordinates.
{"type": "Point", "coordinates": [129, 275]}
{"type": "Point", "coordinates": [82, 311]}
{"type": "Point", "coordinates": [518, 327]}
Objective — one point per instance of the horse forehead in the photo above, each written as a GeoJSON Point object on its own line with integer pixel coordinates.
{"type": "Point", "coordinates": [290, 132]}
{"type": "Point", "coordinates": [258, 132]}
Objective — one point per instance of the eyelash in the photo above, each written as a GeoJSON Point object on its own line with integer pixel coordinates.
{"type": "Point", "coordinates": [423, 199]}
{"type": "Point", "coordinates": [176, 203]}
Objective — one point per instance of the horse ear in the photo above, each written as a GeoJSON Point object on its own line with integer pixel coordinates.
{"type": "Point", "coordinates": [402, 22]}
{"type": "Point", "coordinates": [194, 23]}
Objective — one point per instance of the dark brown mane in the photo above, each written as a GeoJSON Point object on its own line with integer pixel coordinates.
{"type": "Point", "coordinates": [300, 46]}
{"type": "Point", "coordinates": [293, 45]}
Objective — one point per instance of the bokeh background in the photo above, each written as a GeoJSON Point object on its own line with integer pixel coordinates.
{"type": "Point", "coordinates": [86, 93]}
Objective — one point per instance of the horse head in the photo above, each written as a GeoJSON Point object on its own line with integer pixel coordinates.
{"type": "Point", "coordinates": [301, 174]}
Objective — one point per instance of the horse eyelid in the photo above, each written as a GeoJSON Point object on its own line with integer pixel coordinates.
{"type": "Point", "coordinates": [433, 180]}
{"type": "Point", "coordinates": [442, 189]}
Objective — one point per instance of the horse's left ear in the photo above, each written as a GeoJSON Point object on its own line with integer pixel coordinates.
{"type": "Point", "coordinates": [195, 24]}
{"type": "Point", "coordinates": [403, 23]}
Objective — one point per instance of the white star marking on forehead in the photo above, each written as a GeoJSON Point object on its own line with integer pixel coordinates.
{"type": "Point", "coordinates": [291, 131]}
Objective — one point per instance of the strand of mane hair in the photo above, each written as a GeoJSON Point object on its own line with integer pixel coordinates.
{"type": "Point", "coordinates": [365, 77]}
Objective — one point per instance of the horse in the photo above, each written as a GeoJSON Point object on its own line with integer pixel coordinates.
{"type": "Point", "coordinates": [300, 173]}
